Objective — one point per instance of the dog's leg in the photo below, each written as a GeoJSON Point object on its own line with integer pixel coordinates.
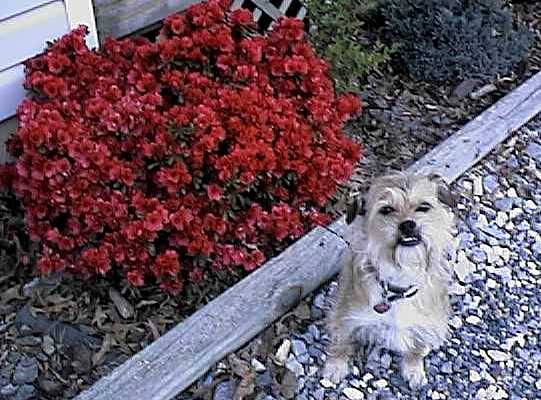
{"type": "Point", "coordinates": [339, 353]}
{"type": "Point", "coordinates": [413, 368]}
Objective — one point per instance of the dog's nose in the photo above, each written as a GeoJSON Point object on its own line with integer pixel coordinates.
{"type": "Point", "coordinates": [407, 228]}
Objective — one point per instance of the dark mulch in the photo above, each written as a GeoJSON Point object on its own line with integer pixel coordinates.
{"type": "Point", "coordinates": [59, 335]}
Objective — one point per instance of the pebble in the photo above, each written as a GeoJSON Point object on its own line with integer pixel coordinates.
{"type": "Point", "coordinates": [498, 355]}
{"type": "Point", "coordinates": [26, 371]}
{"type": "Point", "coordinates": [473, 320]}
{"type": "Point", "coordinates": [456, 322]}
{"type": "Point", "coordinates": [474, 376]}
{"type": "Point", "coordinates": [490, 183]}
{"type": "Point", "coordinates": [463, 267]}
{"type": "Point", "coordinates": [224, 391]}
{"type": "Point", "coordinates": [294, 366]}
{"type": "Point", "coordinates": [283, 352]}
{"type": "Point", "coordinates": [504, 204]}
{"type": "Point", "coordinates": [298, 347]}
{"type": "Point", "coordinates": [534, 151]}
{"type": "Point", "coordinates": [380, 384]}
{"type": "Point", "coordinates": [327, 383]}
{"type": "Point", "coordinates": [353, 394]}
{"type": "Point", "coordinates": [257, 365]}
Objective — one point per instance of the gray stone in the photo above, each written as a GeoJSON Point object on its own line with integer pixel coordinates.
{"type": "Point", "coordinates": [298, 347]}
{"type": "Point", "coordinates": [490, 183]}
{"type": "Point", "coordinates": [26, 371]}
{"type": "Point", "coordinates": [294, 366]}
{"type": "Point", "coordinates": [447, 367]}
{"type": "Point", "coordinates": [8, 390]}
{"type": "Point", "coordinates": [224, 391]}
{"type": "Point", "coordinates": [495, 232]}
{"type": "Point", "coordinates": [26, 392]}
{"type": "Point", "coordinates": [534, 151]}
{"type": "Point", "coordinates": [504, 204]}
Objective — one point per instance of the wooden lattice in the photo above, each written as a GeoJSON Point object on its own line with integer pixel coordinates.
{"type": "Point", "coordinates": [267, 11]}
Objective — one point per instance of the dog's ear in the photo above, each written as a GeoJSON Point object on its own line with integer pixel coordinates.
{"type": "Point", "coordinates": [445, 194]}
{"type": "Point", "coordinates": [354, 208]}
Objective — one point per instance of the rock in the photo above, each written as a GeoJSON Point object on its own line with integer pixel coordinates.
{"type": "Point", "coordinates": [283, 352]}
{"type": "Point", "coordinates": [26, 371]}
{"type": "Point", "coordinates": [474, 376]}
{"type": "Point", "coordinates": [534, 151]}
{"type": "Point", "coordinates": [327, 383]}
{"type": "Point", "coordinates": [386, 361]}
{"type": "Point", "coordinates": [495, 232]}
{"type": "Point", "coordinates": [367, 377]}
{"type": "Point", "coordinates": [264, 380]}
{"type": "Point", "coordinates": [294, 366]}
{"type": "Point", "coordinates": [447, 367]}
{"type": "Point", "coordinates": [473, 320]}
{"type": "Point", "coordinates": [224, 391]}
{"type": "Point", "coordinates": [47, 345]}
{"type": "Point", "coordinates": [380, 384]}
{"type": "Point", "coordinates": [477, 185]}
{"type": "Point", "coordinates": [498, 355]}
{"type": "Point", "coordinates": [353, 394]}
{"type": "Point", "coordinates": [314, 331]}
{"type": "Point", "coordinates": [25, 392]}
{"type": "Point", "coordinates": [463, 267]}
{"type": "Point", "coordinates": [257, 365]}
{"type": "Point", "coordinates": [8, 390]}
{"type": "Point", "coordinates": [490, 183]}
{"type": "Point", "coordinates": [456, 322]}
{"type": "Point", "coordinates": [478, 255]}
{"type": "Point", "coordinates": [504, 204]}
{"type": "Point", "coordinates": [298, 347]}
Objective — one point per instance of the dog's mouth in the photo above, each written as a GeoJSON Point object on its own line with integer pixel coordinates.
{"type": "Point", "coordinates": [409, 241]}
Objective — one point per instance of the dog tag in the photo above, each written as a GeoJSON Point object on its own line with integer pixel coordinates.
{"type": "Point", "coordinates": [382, 308]}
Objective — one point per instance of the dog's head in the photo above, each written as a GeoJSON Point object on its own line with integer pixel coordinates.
{"type": "Point", "coordinates": [406, 220]}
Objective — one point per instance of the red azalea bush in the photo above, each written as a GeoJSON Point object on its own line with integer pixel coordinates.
{"type": "Point", "coordinates": [162, 160]}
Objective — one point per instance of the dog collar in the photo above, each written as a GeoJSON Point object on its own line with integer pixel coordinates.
{"type": "Point", "coordinates": [393, 293]}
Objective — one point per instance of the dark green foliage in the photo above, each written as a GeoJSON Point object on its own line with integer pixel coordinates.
{"type": "Point", "coordinates": [449, 39]}
{"type": "Point", "coordinates": [335, 29]}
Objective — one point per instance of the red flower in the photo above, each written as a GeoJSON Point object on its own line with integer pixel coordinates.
{"type": "Point", "coordinates": [166, 264]}
{"type": "Point", "coordinates": [208, 145]}
{"type": "Point", "coordinates": [242, 17]}
{"type": "Point", "coordinates": [136, 278]}
{"type": "Point", "coordinates": [214, 192]}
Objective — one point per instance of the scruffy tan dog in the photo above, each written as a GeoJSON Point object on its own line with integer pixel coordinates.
{"type": "Point", "coordinates": [393, 290]}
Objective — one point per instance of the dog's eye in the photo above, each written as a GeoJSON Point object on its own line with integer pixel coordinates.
{"type": "Point", "coordinates": [423, 207]}
{"type": "Point", "coordinates": [386, 210]}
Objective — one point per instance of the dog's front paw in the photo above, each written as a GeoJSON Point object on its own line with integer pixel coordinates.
{"type": "Point", "coordinates": [336, 369]}
{"type": "Point", "coordinates": [415, 375]}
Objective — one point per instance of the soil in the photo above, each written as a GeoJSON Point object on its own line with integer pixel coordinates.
{"type": "Point", "coordinates": [77, 332]}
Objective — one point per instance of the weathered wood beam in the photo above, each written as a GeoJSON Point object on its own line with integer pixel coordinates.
{"type": "Point", "coordinates": [187, 351]}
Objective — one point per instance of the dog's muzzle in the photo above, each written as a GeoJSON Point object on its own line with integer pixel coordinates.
{"type": "Point", "coordinates": [409, 234]}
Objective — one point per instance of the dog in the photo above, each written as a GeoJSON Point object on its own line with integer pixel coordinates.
{"type": "Point", "coordinates": [393, 289]}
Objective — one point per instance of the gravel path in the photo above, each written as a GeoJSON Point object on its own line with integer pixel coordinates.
{"type": "Point", "coordinates": [494, 349]}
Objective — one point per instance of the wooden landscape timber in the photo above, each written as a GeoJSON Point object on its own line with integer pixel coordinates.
{"type": "Point", "coordinates": [173, 362]}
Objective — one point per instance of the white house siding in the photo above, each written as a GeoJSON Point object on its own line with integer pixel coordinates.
{"type": "Point", "coordinates": [25, 27]}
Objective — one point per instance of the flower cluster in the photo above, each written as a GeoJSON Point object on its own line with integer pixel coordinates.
{"type": "Point", "coordinates": [164, 159]}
